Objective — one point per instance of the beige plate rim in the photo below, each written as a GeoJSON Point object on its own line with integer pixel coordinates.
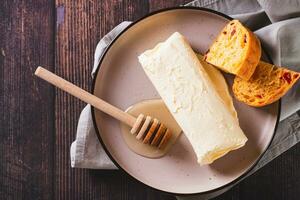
{"type": "Point", "coordinates": [103, 144]}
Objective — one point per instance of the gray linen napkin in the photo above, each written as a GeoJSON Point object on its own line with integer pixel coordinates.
{"type": "Point", "coordinates": [277, 23]}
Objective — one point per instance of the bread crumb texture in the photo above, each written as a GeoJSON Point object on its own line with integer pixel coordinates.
{"type": "Point", "coordinates": [268, 84]}
{"type": "Point", "coordinates": [236, 50]}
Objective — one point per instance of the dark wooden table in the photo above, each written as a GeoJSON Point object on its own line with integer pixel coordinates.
{"type": "Point", "coordinates": [38, 123]}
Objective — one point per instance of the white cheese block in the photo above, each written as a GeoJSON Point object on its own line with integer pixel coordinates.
{"type": "Point", "coordinates": [191, 97]}
{"type": "Point", "coordinates": [220, 84]}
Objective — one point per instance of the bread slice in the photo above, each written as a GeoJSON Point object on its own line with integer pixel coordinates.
{"type": "Point", "coordinates": [236, 50]}
{"type": "Point", "coordinates": [268, 84]}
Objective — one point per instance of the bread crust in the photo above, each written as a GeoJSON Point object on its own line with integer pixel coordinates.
{"type": "Point", "coordinates": [268, 84]}
{"type": "Point", "coordinates": [236, 50]}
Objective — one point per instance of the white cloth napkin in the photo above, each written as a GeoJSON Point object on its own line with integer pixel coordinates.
{"type": "Point", "coordinates": [277, 23]}
{"type": "Point", "coordinates": [86, 151]}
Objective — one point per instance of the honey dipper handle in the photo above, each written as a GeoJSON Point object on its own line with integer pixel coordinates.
{"type": "Point", "coordinates": [85, 96]}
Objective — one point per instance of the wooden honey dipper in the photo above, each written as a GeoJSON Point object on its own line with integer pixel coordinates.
{"type": "Point", "coordinates": [148, 130]}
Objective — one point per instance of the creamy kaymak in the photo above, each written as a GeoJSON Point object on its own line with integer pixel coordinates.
{"type": "Point", "coordinates": [192, 99]}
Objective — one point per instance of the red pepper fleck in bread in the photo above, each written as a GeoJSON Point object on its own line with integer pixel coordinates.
{"type": "Point", "coordinates": [236, 50]}
{"type": "Point", "coordinates": [268, 84]}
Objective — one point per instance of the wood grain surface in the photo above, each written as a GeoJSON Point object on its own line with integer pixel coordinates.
{"type": "Point", "coordinates": [38, 123]}
{"type": "Point", "coordinates": [26, 104]}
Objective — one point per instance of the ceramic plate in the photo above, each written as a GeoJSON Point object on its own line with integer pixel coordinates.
{"type": "Point", "coordinates": [121, 81]}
